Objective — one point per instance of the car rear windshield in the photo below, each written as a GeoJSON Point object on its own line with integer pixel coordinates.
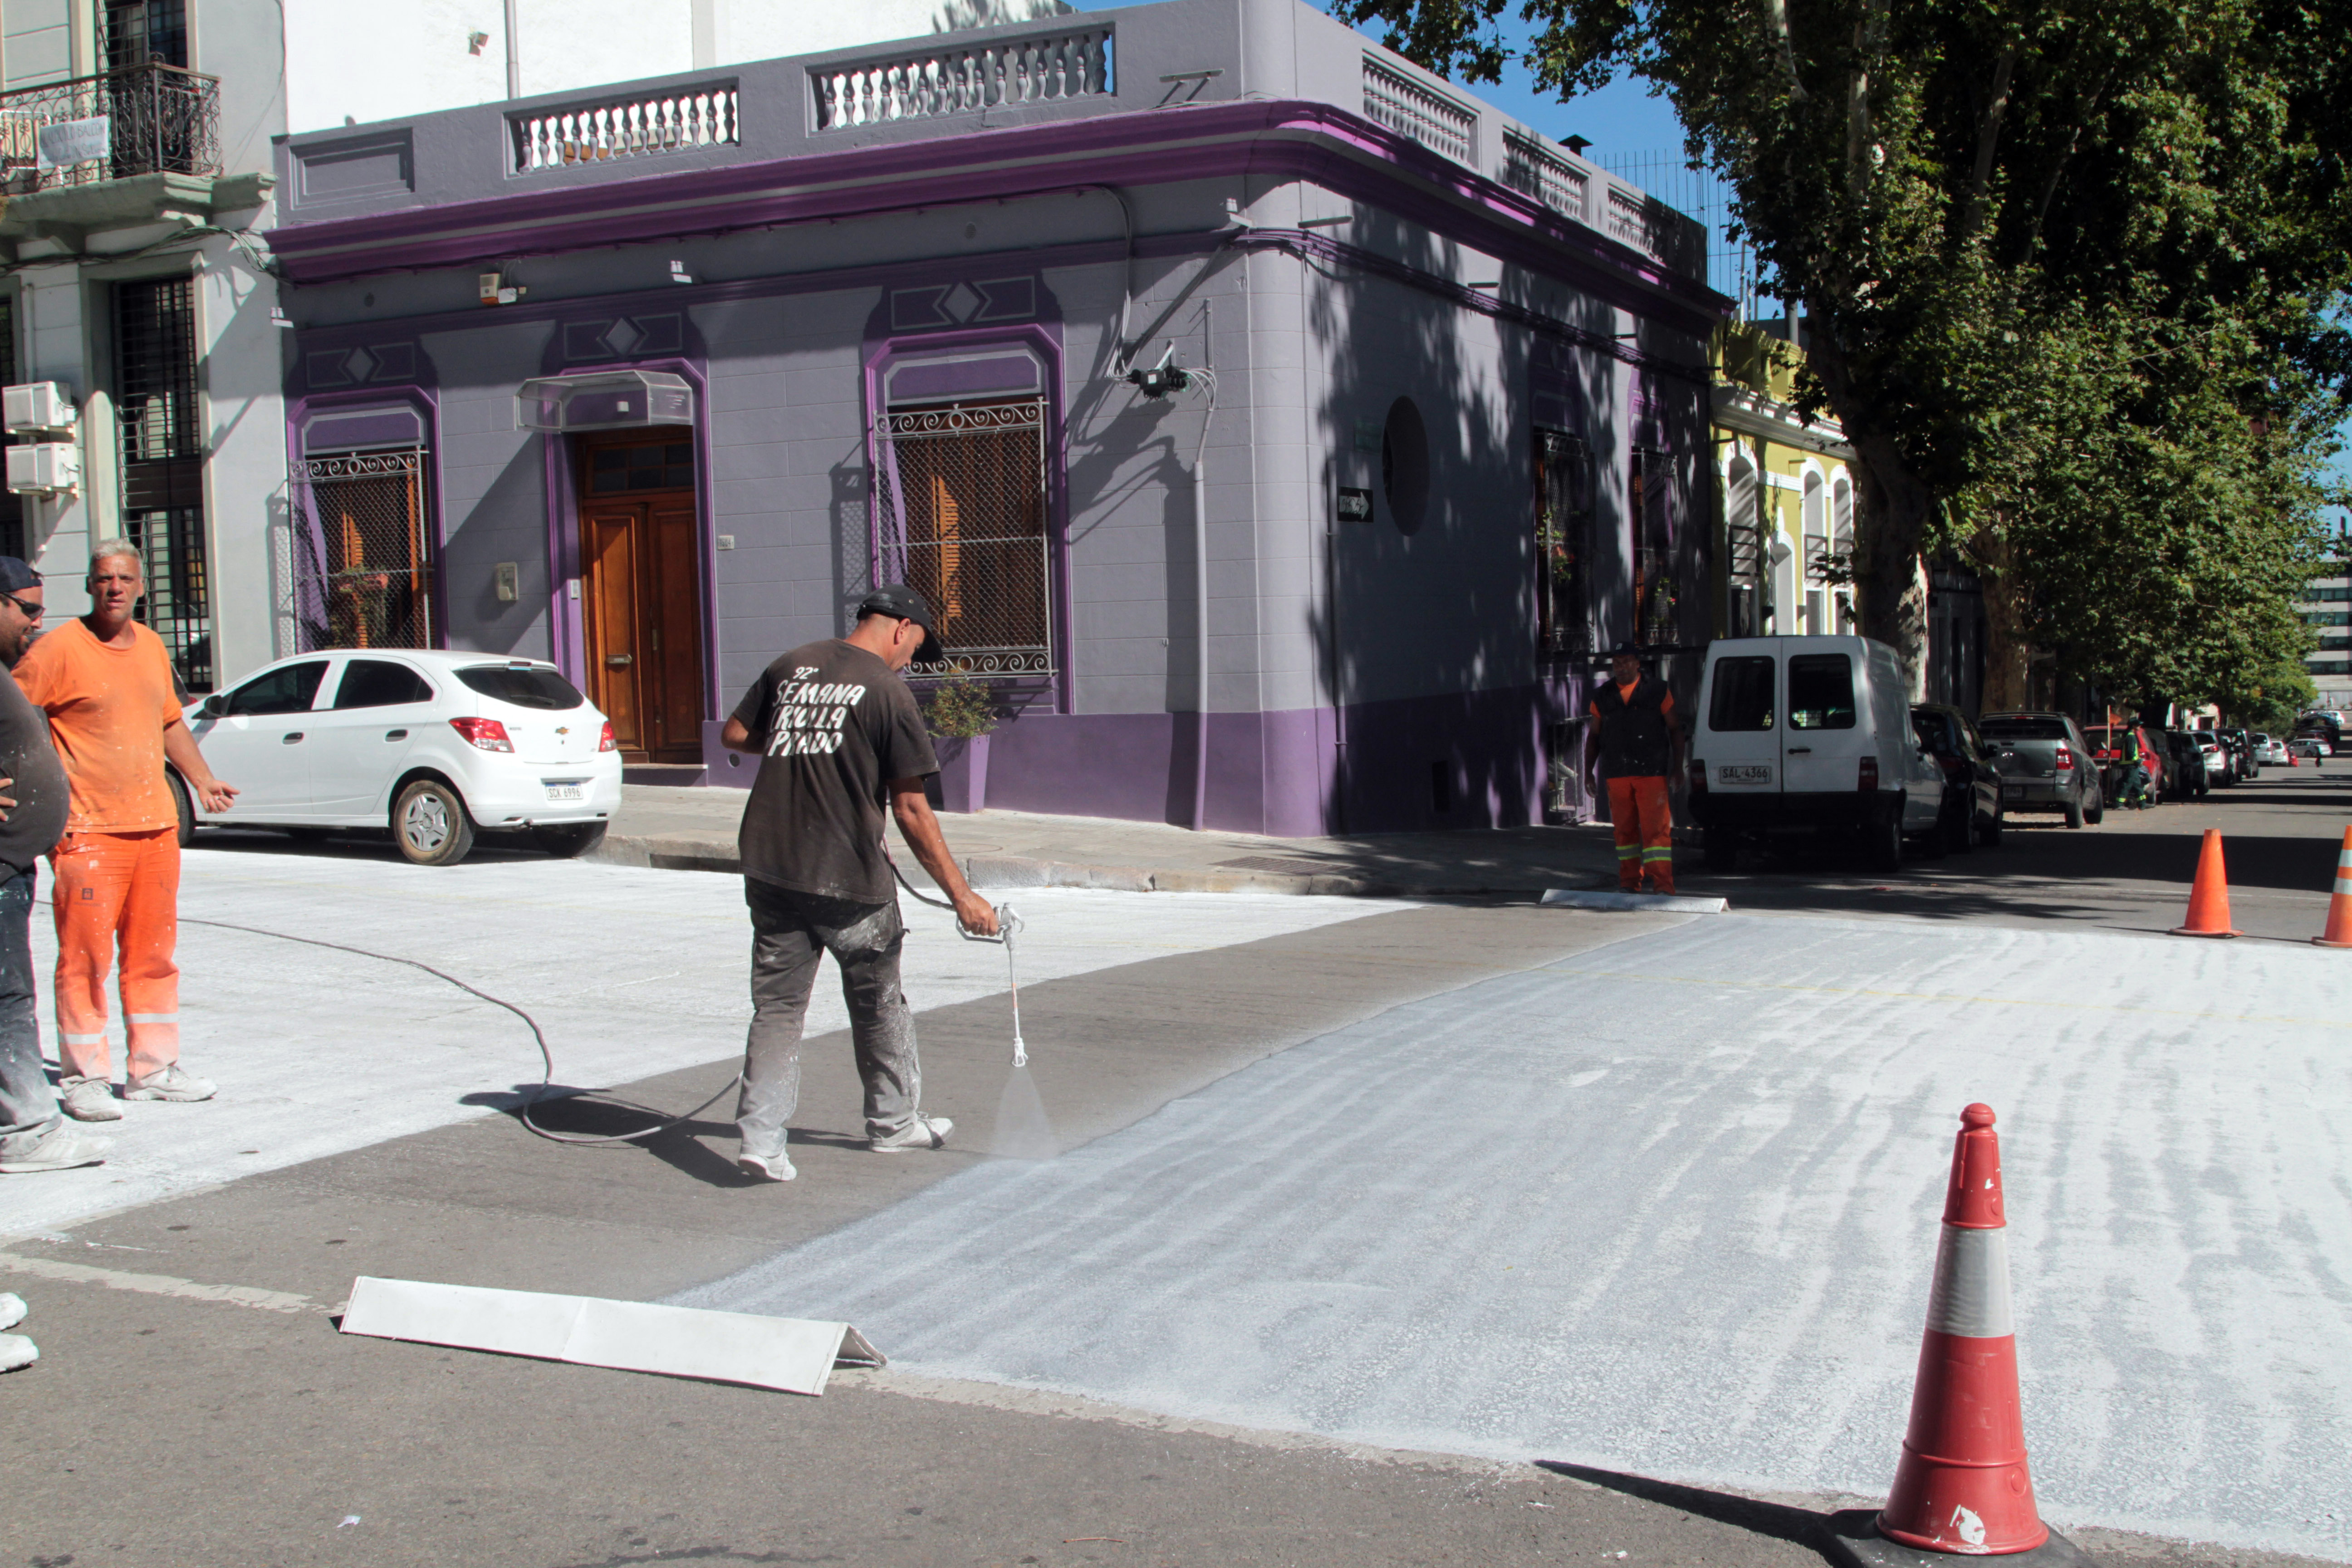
{"type": "Point", "coordinates": [524, 685]}
{"type": "Point", "coordinates": [2023, 727]}
{"type": "Point", "coordinates": [1743, 694]}
{"type": "Point", "coordinates": [1820, 691]}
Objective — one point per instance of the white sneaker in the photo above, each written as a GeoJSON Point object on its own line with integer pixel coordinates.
{"type": "Point", "coordinates": [174, 1083]}
{"type": "Point", "coordinates": [12, 1309]}
{"type": "Point", "coordinates": [90, 1100]}
{"type": "Point", "coordinates": [776, 1167]}
{"type": "Point", "coordinates": [17, 1351]}
{"type": "Point", "coordinates": [922, 1132]}
{"type": "Point", "coordinates": [62, 1150]}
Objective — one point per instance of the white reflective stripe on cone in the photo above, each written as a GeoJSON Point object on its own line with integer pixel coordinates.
{"type": "Point", "coordinates": [2343, 885]}
{"type": "Point", "coordinates": [1971, 1294]}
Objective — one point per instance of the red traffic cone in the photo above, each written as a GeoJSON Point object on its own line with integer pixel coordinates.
{"type": "Point", "coordinates": [1961, 1487]}
{"type": "Point", "coordinates": [2208, 900]}
{"type": "Point", "coordinates": [2339, 904]}
{"type": "Point", "coordinates": [1961, 1484]}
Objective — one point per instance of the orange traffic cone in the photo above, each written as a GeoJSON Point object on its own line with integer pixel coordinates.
{"type": "Point", "coordinates": [2339, 905]}
{"type": "Point", "coordinates": [1962, 1486]}
{"type": "Point", "coordinates": [2209, 901]}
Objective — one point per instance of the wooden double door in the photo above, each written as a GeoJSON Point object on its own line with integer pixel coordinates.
{"type": "Point", "coordinates": [641, 551]}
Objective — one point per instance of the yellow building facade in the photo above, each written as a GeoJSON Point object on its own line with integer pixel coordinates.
{"type": "Point", "coordinates": [1784, 513]}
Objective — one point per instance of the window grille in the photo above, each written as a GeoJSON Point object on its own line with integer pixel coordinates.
{"type": "Point", "coordinates": [145, 32]}
{"type": "Point", "coordinates": [12, 505]}
{"type": "Point", "coordinates": [961, 516]}
{"type": "Point", "coordinates": [1394, 100]}
{"type": "Point", "coordinates": [1656, 594]}
{"type": "Point", "coordinates": [1563, 544]}
{"type": "Point", "coordinates": [162, 469]}
{"type": "Point", "coordinates": [363, 557]}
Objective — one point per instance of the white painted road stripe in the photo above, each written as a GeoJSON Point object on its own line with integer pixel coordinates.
{"type": "Point", "coordinates": [158, 1285]}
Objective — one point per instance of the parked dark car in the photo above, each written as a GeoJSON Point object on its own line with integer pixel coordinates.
{"type": "Point", "coordinates": [1971, 783]}
{"type": "Point", "coordinates": [2117, 748]}
{"type": "Point", "coordinates": [2240, 744]}
{"type": "Point", "coordinates": [2046, 764]}
{"type": "Point", "coordinates": [2186, 778]}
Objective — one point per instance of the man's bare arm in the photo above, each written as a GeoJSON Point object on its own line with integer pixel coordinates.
{"type": "Point", "coordinates": [736, 738]}
{"type": "Point", "coordinates": [180, 750]}
{"type": "Point", "coordinates": [930, 847]}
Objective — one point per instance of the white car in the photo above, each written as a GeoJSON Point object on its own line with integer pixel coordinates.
{"type": "Point", "coordinates": [2310, 746]}
{"type": "Point", "coordinates": [432, 745]}
{"type": "Point", "coordinates": [2268, 752]}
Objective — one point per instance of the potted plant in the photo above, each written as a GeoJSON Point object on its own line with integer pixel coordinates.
{"type": "Point", "coordinates": [961, 711]}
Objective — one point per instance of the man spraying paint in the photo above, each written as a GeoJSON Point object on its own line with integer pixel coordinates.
{"type": "Point", "coordinates": [1638, 749]}
{"type": "Point", "coordinates": [835, 728]}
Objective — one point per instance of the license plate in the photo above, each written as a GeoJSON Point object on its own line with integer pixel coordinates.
{"type": "Point", "coordinates": [1753, 773]}
{"type": "Point", "coordinates": [564, 792]}
{"type": "Point", "coordinates": [2013, 792]}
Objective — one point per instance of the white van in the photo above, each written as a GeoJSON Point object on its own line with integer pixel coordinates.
{"type": "Point", "coordinates": [1810, 734]}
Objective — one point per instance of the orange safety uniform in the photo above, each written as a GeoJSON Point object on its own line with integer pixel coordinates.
{"type": "Point", "coordinates": [1635, 722]}
{"type": "Point", "coordinates": [116, 873]}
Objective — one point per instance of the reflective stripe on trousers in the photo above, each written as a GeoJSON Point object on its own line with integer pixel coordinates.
{"type": "Point", "coordinates": [117, 889]}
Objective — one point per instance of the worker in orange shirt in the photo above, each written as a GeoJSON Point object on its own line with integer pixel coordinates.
{"type": "Point", "coordinates": [105, 682]}
{"type": "Point", "coordinates": [1638, 749]}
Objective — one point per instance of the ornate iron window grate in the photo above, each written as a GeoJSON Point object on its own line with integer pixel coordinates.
{"type": "Point", "coordinates": [1563, 544]}
{"type": "Point", "coordinates": [363, 566]}
{"type": "Point", "coordinates": [960, 514]}
{"type": "Point", "coordinates": [162, 470]}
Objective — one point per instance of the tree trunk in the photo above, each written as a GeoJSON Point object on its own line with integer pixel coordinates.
{"type": "Point", "coordinates": [2009, 657]}
{"type": "Point", "coordinates": [1893, 507]}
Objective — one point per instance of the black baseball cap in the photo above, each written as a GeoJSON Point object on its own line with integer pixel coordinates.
{"type": "Point", "coordinates": [1625, 647]}
{"type": "Point", "coordinates": [898, 599]}
{"type": "Point", "coordinates": [15, 575]}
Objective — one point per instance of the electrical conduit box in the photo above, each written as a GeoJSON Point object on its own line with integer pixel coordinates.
{"type": "Point", "coordinates": [45, 468]}
{"type": "Point", "coordinates": [37, 405]}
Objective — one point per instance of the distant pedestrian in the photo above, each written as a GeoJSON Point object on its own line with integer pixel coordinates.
{"type": "Point", "coordinates": [1634, 741]}
{"type": "Point", "coordinates": [33, 1136]}
{"type": "Point", "coordinates": [835, 728]}
{"type": "Point", "coordinates": [107, 685]}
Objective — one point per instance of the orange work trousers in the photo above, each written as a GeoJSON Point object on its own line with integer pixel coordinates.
{"type": "Point", "coordinates": [111, 886]}
{"type": "Point", "coordinates": [1645, 834]}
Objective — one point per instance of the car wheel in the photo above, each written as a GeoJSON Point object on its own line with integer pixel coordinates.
{"type": "Point", "coordinates": [1989, 832]}
{"type": "Point", "coordinates": [2096, 812]}
{"type": "Point", "coordinates": [183, 807]}
{"type": "Point", "coordinates": [1882, 840]}
{"type": "Point", "coordinates": [430, 825]}
{"type": "Point", "coordinates": [568, 840]}
{"type": "Point", "coordinates": [2075, 812]}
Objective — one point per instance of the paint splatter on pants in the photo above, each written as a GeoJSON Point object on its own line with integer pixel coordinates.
{"type": "Point", "coordinates": [28, 1106]}
{"type": "Point", "coordinates": [111, 888]}
{"type": "Point", "coordinates": [789, 931]}
{"type": "Point", "coordinates": [1645, 834]}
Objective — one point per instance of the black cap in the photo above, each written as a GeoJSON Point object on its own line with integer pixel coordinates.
{"type": "Point", "coordinates": [898, 599]}
{"type": "Point", "coordinates": [16, 575]}
{"type": "Point", "coordinates": [1624, 647]}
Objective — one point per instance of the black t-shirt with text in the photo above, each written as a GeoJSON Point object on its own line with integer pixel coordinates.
{"type": "Point", "coordinates": [835, 726]}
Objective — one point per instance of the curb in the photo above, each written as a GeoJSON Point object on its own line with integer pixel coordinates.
{"type": "Point", "coordinates": [1004, 871]}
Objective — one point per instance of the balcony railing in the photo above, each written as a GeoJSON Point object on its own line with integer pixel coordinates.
{"type": "Point", "coordinates": [143, 119]}
{"type": "Point", "coordinates": [959, 77]}
{"type": "Point", "coordinates": [632, 126]}
{"type": "Point", "coordinates": [1409, 109]}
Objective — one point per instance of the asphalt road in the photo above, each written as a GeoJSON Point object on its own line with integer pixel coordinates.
{"type": "Point", "coordinates": [195, 1404]}
{"type": "Point", "coordinates": [2281, 833]}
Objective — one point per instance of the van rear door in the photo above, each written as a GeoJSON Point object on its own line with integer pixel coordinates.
{"type": "Point", "coordinates": [1821, 743]}
{"type": "Point", "coordinates": [1739, 730]}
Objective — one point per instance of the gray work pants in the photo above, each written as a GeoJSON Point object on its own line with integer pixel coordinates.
{"type": "Point", "coordinates": [28, 1106]}
{"type": "Point", "coordinates": [789, 931]}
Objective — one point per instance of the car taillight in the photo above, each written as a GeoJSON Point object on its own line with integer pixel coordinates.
{"type": "Point", "coordinates": [2065, 764]}
{"type": "Point", "coordinates": [1953, 765]}
{"type": "Point", "coordinates": [1697, 775]}
{"type": "Point", "coordinates": [1869, 773]}
{"type": "Point", "coordinates": [487, 734]}
{"type": "Point", "coordinates": [605, 742]}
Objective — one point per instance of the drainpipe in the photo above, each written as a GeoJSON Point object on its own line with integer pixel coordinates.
{"type": "Point", "coordinates": [514, 51]}
{"type": "Point", "coordinates": [1201, 625]}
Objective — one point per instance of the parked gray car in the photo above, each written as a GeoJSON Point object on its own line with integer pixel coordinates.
{"type": "Point", "coordinates": [2045, 766]}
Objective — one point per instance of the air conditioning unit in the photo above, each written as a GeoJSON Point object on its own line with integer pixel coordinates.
{"type": "Point", "coordinates": [45, 468]}
{"type": "Point", "coordinates": [37, 405]}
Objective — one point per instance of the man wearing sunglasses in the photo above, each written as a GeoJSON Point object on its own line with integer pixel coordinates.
{"type": "Point", "coordinates": [33, 803]}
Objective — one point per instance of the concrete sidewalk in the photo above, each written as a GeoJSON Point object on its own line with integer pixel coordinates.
{"type": "Point", "coordinates": [694, 829]}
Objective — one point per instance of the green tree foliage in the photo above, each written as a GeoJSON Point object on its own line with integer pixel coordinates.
{"type": "Point", "coordinates": [2069, 273]}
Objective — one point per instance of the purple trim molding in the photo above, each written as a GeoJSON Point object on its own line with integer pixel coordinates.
{"type": "Point", "coordinates": [1340, 151]}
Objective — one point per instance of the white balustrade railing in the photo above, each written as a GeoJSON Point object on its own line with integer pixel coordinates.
{"type": "Point", "coordinates": [637, 127]}
{"type": "Point", "coordinates": [1533, 170]}
{"type": "Point", "coordinates": [959, 78]}
{"type": "Point", "coordinates": [1394, 100]}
